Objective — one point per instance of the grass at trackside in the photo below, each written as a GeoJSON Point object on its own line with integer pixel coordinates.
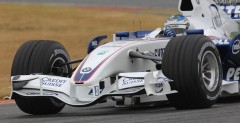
{"type": "Point", "coordinates": [72, 26]}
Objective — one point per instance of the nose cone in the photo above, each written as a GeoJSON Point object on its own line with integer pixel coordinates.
{"type": "Point", "coordinates": [98, 63]}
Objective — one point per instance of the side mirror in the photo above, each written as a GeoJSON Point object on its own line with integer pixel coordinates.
{"type": "Point", "coordinates": [93, 44]}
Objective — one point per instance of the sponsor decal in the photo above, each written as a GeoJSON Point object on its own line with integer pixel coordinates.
{"type": "Point", "coordinates": [220, 41]}
{"type": "Point", "coordinates": [37, 93]}
{"type": "Point", "coordinates": [226, 2]}
{"type": "Point", "coordinates": [174, 26]}
{"type": "Point", "coordinates": [232, 9]}
{"type": "Point", "coordinates": [159, 87]}
{"type": "Point", "coordinates": [102, 53]}
{"type": "Point", "coordinates": [159, 52]}
{"type": "Point", "coordinates": [94, 44]}
{"type": "Point", "coordinates": [53, 82]}
{"type": "Point", "coordinates": [60, 51]}
{"type": "Point", "coordinates": [87, 69]}
{"type": "Point", "coordinates": [233, 74]}
{"type": "Point", "coordinates": [236, 47]}
{"type": "Point", "coordinates": [90, 92]}
{"type": "Point", "coordinates": [130, 82]}
{"type": "Point", "coordinates": [97, 91]}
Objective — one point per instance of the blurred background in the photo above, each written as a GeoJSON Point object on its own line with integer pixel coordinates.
{"type": "Point", "coordinates": [120, 3]}
{"type": "Point", "coordinates": [73, 23]}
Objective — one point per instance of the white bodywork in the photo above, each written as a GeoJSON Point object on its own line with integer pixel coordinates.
{"type": "Point", "coordinates": [108, 71]}
{"type": "Point", "coordinates": [108, 60]}
{"type": "Point", "coordinates": [214, 21]}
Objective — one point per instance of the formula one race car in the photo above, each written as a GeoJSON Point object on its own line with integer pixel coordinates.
{"type": "Point", "coordinates": [191, 62]}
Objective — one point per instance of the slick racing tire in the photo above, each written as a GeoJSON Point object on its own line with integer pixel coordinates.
{"type": "Point", "coordinates": [41, 57]}
{"type": "Point", "coordinates": [193, 62]}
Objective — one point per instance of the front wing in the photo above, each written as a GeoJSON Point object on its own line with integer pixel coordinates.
{"type": "Point", "coordinates": [126, 84]}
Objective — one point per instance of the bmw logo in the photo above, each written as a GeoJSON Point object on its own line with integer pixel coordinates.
{"type": "Point", "coordinates": [87, 69]}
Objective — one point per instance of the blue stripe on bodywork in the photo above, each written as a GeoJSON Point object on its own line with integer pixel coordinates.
{"type": "Point", "coordinates": [229, 60]}
{"type": "Point", "coordinates": [80, 77]}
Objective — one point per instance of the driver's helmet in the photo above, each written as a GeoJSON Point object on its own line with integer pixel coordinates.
{"type": "Point", "coordinates": [178, 23]}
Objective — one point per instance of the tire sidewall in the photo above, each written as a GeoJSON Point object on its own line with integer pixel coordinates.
{"type": "Point", "coordinates": [210, 95]}
{"type": "Point", "coordinates": [37, 57]}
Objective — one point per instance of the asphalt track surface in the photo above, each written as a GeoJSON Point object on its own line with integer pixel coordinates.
{"type": "Point", "coordinates": [119, 3]}
{"type": "Point", "coordinates": [225, 111]}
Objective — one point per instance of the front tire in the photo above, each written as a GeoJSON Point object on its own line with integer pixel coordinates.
{"type": "Point", "coordinates": [193, 62]}
{"type": "Point", "coordinates": [40, 56]}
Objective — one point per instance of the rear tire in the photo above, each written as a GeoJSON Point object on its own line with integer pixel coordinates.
{"type": "Point", "coordinates": [193, 62]}
{"type": "Point", "coordinates": [40, 56]}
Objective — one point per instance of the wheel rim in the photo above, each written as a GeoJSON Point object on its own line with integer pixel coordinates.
{"type": "Point", "coordinates": [55, 64]}
{"type": "Point", "coordinates": [210, 71]}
